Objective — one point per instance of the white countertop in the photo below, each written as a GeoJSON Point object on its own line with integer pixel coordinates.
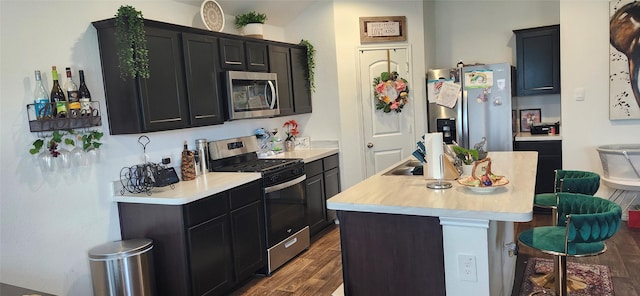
{"type": "Point", "coordinates": [188, 191]}
{"type": "Point", "coordinates": [307, 154]}
{"type": "Point", "coordinates": [408, 195]}
{"type": "Point", "coordinates": [210, 183]}
{"type": "Point", "coordinates": [527, 136]}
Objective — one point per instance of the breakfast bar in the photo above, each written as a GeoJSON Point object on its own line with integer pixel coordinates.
{"type": "Point", "coordinates": [400, 237]}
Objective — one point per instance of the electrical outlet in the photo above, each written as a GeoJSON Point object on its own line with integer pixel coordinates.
{"type": "Point", "coordinates": [467, 268]}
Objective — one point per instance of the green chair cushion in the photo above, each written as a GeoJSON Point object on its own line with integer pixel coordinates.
{"type": "Point", "coordinates": [550, 239]}
{"type": "Point", "coordinates": [545, 200]}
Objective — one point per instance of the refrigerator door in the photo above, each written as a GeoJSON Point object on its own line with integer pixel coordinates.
{"type": "Point", "coordinates": [487, 100]}
{"type": "Point", "coordinates": [435, 111]}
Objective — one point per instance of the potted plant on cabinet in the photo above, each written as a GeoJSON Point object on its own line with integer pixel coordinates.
{"type": "Point", "coordinates": [133, 57]}
{"type": "Point", "coordinates": [251, 24]}
{"type": "Point", "coordinates": [311, 63]}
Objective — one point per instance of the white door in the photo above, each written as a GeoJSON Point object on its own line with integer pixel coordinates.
{"type": "Point", "coordinates": [388, 137]}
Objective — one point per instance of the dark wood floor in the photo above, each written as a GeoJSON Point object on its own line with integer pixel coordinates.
{"type": "Point", "coordinates": [318, 271]}
{"type": "Point", "coordinates": [315, 272]}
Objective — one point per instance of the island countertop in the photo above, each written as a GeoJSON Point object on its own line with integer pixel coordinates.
{"type": "Point", "coordinates": [408, 195]}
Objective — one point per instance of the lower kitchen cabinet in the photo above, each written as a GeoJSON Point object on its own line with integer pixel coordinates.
{"type": "Point", "coordinates": [323, 182]}
{"type": "Point", "coordinates": [549, 160]}
{"type": "Point", "coordinates": [205, 247]}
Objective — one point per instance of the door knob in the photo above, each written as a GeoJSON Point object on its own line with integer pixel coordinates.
{"type": "Point", "coordinates": [370, 145]}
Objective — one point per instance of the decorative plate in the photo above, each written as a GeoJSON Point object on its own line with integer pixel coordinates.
{"type": "Point", "coordinates": [212, 15]}
{"type": "Point", "coordinates": [471, 184]}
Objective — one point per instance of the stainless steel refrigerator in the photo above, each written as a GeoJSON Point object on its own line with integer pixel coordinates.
{"type": "Point", "coordinates": [483, 107]}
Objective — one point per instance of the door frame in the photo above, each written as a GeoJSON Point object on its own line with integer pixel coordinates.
{"type": "Point", "coordinates": [359, 97]}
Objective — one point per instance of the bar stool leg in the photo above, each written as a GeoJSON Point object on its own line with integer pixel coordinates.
{"type": "Point", "coordinates": [560, 266]}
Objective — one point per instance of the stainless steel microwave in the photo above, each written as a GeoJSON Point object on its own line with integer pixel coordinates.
{"type": "Point", "coordinates": [252, 94]}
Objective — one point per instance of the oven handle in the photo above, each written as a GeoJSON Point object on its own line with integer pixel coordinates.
{"type": "Point", "coordinates": [285, 184]}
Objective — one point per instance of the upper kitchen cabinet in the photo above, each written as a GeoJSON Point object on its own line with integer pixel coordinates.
{"type": "Point", "coordinates": [238, 55]}
{"type": "Point", "coordinates": [299, 73]}
{"type": "Point", "coordinates": [280, 63]}
{"type": "Point", "coordinates": [257, 56]}
{"type": "Point", "coordinates": [232, 56]}
{"type": "Point", "coordinates": [290, 63]}
{"type": "Point", "coordinates": [200, 60]}
{"type": "Point", "coordinates": [181, 90]}
{"type": "Point", "coordinates": [538, 60]}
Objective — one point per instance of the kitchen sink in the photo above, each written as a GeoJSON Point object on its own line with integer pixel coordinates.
{"type": "Point", "coordinates": [406, 169]}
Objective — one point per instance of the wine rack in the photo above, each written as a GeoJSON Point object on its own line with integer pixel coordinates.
{"type": "Point", "coordinates": [43, 123]}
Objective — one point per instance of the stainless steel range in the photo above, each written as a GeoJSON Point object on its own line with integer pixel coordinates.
{"type": "Point", "coordinates": [287, 230]}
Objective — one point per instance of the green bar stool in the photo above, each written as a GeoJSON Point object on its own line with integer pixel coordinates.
{"type": "Point", "coordinates": [586, 222]}
{"type": "Point", "coordinates": [567, 181]}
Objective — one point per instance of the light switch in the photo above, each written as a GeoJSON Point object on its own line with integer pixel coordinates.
{"type": "Point", "coordinates": [578, 93]}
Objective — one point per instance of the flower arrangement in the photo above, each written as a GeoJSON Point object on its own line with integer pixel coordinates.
{"type": "Point", "coordinates": [291, 129]}
{"type": "Point", "coordinates": [390, 92]}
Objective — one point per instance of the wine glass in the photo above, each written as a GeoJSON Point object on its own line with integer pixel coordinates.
{"type": "Point", "coordinates": [93, 155]}
{"type": "Point", "coordinates": [45, 161]}
{"type": "Point", "coordinates": [64, 158]}
{"type": "Point", "coordinates": [78, 156]}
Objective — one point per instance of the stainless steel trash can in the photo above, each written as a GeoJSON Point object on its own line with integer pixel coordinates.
{"type": "Point", "coordinates": [123, 268]}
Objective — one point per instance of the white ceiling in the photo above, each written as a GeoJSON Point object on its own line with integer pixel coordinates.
{"type": "Point", "coordinates": [279, 12]}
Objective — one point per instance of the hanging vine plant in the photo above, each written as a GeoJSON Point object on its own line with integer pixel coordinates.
{"type": "Point", "coordinates": [133, 59]}
{"type": "Point", "coordinates": [311, 64]}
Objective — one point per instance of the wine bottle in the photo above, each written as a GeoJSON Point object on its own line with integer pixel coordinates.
{"type": "Point", "coordinates": [84, 95]}
{"type": "Point", "coordinates": [57, 95]}
{"type": "Point", "coordinates": [41, 99]}
{"type": "Point", "coordinates": [72, 94]}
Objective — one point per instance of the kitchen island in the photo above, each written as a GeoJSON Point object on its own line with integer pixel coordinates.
{"type": "Point", "coordinates": [400, 238]}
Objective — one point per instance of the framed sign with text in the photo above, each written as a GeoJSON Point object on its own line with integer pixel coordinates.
{"type": "Point", "coordinates": [383, 28]}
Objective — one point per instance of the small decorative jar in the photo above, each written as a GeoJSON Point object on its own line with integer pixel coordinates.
{"type": "Point", "coordinates": [289, 145]}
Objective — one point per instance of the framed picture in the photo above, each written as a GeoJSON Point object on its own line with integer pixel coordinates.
{"type": "Point", "coordinates": [383, 29]}
{"type": "Point", "coordinates": [624, 98]}
{"type": "Point", "coordinates": [528, 117]}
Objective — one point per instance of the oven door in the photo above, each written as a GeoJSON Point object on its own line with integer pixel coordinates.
{"type": "Point", "coordinates": [285, 206]}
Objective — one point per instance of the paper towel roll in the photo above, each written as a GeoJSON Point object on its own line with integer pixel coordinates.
{"type": "Point", "coordinates": [433, 144]}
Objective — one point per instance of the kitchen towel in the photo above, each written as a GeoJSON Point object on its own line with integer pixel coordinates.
{"type": "Point", "coordinates": [433, 144]}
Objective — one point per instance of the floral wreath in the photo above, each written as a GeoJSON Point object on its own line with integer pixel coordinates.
{"type": "Point", "coordinates": [390, 92]}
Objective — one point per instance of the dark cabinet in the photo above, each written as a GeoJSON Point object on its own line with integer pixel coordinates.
{"type": "Point", "coordinates": [232, 55]}
{"type": "Point", "coordinates": [280, 63]}
{"type": "Point", "coordinates": [238, 55]}
{"type": "Point", "coordinates": [316, 203]}
{"type": "Point", "coordinates": [210, 256]}
{"type": "Point", "coordinates": [290, 63]}
{"type": "Point", "coordinates": [200, 60]}
{"type": "Point", "coordinates": [257, 57]}
{"type": "Point", "coordinates": [206, 247]}
{"type": "Point", "coordinates": [300, 84]}
{"type": "Point", "coordinates": [549, 160]}
{"type": "Point", "coordinates": [538, 60]}
{"type": "Point", "coordinates": [323, 182]}
{"type": "Point", "coordinates": [172, 97]}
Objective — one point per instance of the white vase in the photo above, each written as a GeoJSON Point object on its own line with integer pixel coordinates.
{"type": "Point", "coordinates": [467, 170]}
{"type": "Point", "coordinates": [254, 30]}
